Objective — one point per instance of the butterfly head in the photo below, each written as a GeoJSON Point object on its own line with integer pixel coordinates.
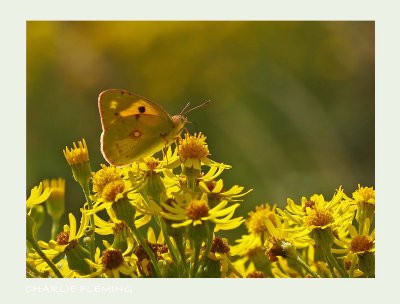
{"type": "Point", "coordinates": [179, 122]}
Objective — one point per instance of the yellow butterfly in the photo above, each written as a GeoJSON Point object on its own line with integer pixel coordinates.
{"type": "Point", "coordinates": [135, 127]}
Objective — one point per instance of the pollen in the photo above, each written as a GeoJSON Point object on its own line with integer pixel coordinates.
{"type": "Point", "coordinates": [112, 258]}
{"type": "Point", "coordinates": [256, 275]}
{"type": "Point", "coordinates": [197, 209]}
{"type": "Point", "coordinates": [361, 243]}
{"type": "Point", "coordinates": [111, 190]}
{"type": "Point", "coordinates": [256, 221]}
{"type": "Point", "coordinates": [152, 163]}
{"type": "Point", "coordinates": [194, 147]}
{"type": "Point", "coordinates": [319, 218]}
{"type": "Point", "coordinates": [79, 154]}
{"type": "Point", "coordinates": [308, 204]}
{"type": "Point", "coordinates": [158, 250]}
{"type": "Point", "coordinates": [219, 246]}
{"type": "Point", "coordinates": [118, 227]}
{"type": "Point", "coordinates": [62, 238]}
{"type": "Point", "coordinates": [104, 176]}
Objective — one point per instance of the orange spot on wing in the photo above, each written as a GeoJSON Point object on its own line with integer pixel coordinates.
{"type": "Point", "coordinates": [135, 134]}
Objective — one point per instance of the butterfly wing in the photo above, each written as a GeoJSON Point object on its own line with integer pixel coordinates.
{"type": "Point", "coordinates": [133, 127]}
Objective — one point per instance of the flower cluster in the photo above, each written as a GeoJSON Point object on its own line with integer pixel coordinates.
{"type": "Point", "coordinates": [162, 217]}
{"type": "Point", "coordinates": [314, 238]}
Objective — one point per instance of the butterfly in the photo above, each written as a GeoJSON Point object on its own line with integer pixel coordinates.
{"type": "Point", "coordinates": [135, 127]}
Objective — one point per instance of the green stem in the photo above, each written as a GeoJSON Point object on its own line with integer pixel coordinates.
{"type": "Point", "coordinates": [331, 268]}
{"type": "Point", "coordinates": [45, 258]}
{"type": "Point", "coordinates": [195, 265]}
{"type": "Point", "coordinates": [210, 233]}
{"type": "Point", "coordinates": [86, 191]}
{"type": "Point", "coordinates": [35, 271]}
{"type": "Point", "coordinates": [146, 248]}
{"type": "Point", "coordinates": [324, 238]}
{"type": "Point", "coordinates": [306, 267]}
{"type": "Point", "coordinates": [171, 248]}
{"type": "Point", "coordinates": [181, 248]}
{"type": "Point", "coordinates": [28, 275]}
{"type": "Point", "coordinates": [353, 266]}
{"type": "Point", "coordinates": [331, 259]}
{"type": "Point", "coordinates": [191, 177]}
{"type": "Point", "coordinates": [54, 229]}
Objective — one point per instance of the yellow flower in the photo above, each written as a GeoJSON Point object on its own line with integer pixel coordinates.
{"type": "Point", "coordinates": [193, 151]}
{"type": "Point", "coordinates": [78, 159]}
{"type": "Point", "coordinates": [147, 207]}
{"type": "Point", "coordinates": [364, 199]}
{"type": "Point", "coordinates": [160, 250]}
{"type": "Point", "coordinates": [220, 252]}
{"type": "Point", "coordinates": [197, 211]}
{"type": "Point", "coordinates": [357, 243]}
{"type": "Point", "coordinates": [69, 237]}
{"type": "Point", "coordinates": [214, 172]}
{"type": "Point", "coordinates": [37, 262]}
{"type": "Point", "coordinates": [256, 222]}
{"type": "Point", "coordinates": [150, 165]}
{"type": "Point", "coordinates": [79, 154]}
{"type": "Point", "coordinates": [112, 263]}
{"type": "Point", "coordinates": [113, 192]}
{"type": "Point", "coordinates": [105, 176]}
{"type": "Point", "coordinates": [364, 195]}
{"type": "Point", "coordinates": [38, 196]}
{"type": "Point", "coordinates": [246, 244]}
{"type": "Point", "coordinates": [55, 202]}
{"type": "Point", "coordinates": [110, 187]}
{"type": "Point", "coordinates": [114, 224]}
{"type": "Point", "coordinates": [251, 253]}
{"type": "Point", "coordinates": [316, 213]}
{"type": "Point", "coordinates": [215, 190]}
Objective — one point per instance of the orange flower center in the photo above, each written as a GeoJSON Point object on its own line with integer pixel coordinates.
{"type": "Point", "coordinates": [197, 209]}
{"type": "Point", "coordinates": [112, 189]}
{"type": "Point", "coordinates": [218, 245]}
{"type": "Point", "coordinates": [118, 227]}
{"type": "Point", "coordinates": [112, 258]}
{"type": "Point", "coordinates": [361, 243]}
{"type": "Point", "coordinates": [105, 176]}
{"type": "Point", "coordinates": [256, 221]}
{"type": "Point", "coordinates": [62, 238]}
{"type": "Point", "coordinates": [308, 204]}
{"type": "Point", "coordinates": [152, 164]}
{"type": "Point", "coordinates": [193, 147]}
{"type": "Point", "coordinates": [256, 275]}
{"type": "Point", "coordinates": [319, 218]}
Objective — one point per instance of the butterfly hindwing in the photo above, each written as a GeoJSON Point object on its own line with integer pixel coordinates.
{"type": "Point", "coordinates": [133, 127]}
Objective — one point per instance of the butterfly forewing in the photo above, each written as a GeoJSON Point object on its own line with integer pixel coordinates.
{"type": "Point", "coordinates": [133, 127]}
{"type": "Point", "coordinates": [114, 104]}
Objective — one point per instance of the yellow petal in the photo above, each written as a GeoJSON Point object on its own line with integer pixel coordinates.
{"type": "Point", "coordinates": [72, 227]}
{"type": "Point", "coordinates": [218, 186]}
{"type": "Point", "coordinates": [185, 223]}
{"type": "Point", "coordinates": [353, 231]}
{"type": "Point", "coordinates": [151, 237]}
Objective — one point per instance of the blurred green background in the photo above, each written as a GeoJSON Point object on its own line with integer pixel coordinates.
{"type": "Point", "coordinates": [293, 102]}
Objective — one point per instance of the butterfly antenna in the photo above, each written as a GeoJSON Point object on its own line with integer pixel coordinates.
{"type": "Point", "coordinates": [196, 107]}
{"type": "Point", "coordinates": [184, 109]}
